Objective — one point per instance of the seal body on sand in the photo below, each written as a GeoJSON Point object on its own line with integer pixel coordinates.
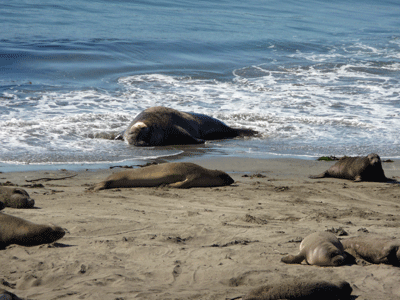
{"type": "Point", "coordinates": [301, 289]}
{"type": "Point", "coordinates": [15, 197]}
{"type": "Point", "coordinates": [176, 175]}
{"type": "Point", "coordinates": [14, 230]}
{"type": "Point", "coordinates": [374, 249]}
{"type": "Point", "coordinates": [361, 168]}
{"type": "Point", "coordinates": [161, 126]}
{"type": "Point", "coordinates": [319, 248]}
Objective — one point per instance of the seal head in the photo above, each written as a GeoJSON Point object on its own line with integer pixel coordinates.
{"type": "Point", "coordinates": [15, 197]}
{"type": "Point", "coordinates": [18, 231]}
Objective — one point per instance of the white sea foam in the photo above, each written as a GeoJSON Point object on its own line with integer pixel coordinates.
{"type": "Point", "coordinates": [348, 105]}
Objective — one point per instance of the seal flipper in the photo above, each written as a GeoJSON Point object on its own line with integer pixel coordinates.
{"type": "Point", "coordinates": [293, 259]}
{"type": "Point", "coordinates": [322, 175]}
{"type": "Point", "coordinates": [181, 136]}
{"type": "Point", "coordinates": [120, 136]}
{"type": "Point", "coordinates": [245, 132]}
{"type": "Point", "coordinates": [181, 184]}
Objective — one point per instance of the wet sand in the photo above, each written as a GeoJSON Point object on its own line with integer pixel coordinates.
{"type": "Point", "coordinates": [199, 243]}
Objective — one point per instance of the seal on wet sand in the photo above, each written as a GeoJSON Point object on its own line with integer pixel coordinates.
{"type": "Point", "coordinates": [360, 168]}
{"type": "Point", "coordinates": [15, 197]}
{"type": "Point", "coordinates": [301, 289]}
{"type": "Point", "coordinates": [175, 175]}
{"type": "Point", "coordinates": [161, 126]}
{"type": "Point", "coordinates": [374, 249]}
{"type": "Point", "coordinates": [14, 230]}
{"type": "Point", "coordinates": [319, 248]}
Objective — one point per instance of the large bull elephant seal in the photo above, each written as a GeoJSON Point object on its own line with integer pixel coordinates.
{"type": "Point", "coordinates": [374, 249]}
{"type": "Point", "coordinates": [14, 230]}
{"type": "Point", "coordinates": [161, 126]}
{"type": "Point", "coordinates": [176, 175]}
{"type": "Point", "coordinates": [360, 168]}
{"type": "Point", "coordinates": [15, 197]}
{"type": "Point", "coordinates": [301, 289]}
{"type": "Point", "coordinates": [320, 249]}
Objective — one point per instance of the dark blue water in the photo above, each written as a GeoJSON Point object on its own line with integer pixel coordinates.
{"type": "Point", "coordinates": [314, 77]}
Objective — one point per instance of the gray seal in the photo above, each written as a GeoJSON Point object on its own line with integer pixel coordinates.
{"type": "Point", "coordinates": [301, 289]}
{"type": "Point", "coordinates": [162, 126]}
{"type": "Point", "coordinates": [15, 197]}
{"type": "Point", "coordinates": [14, 230]}
{"type": "Point", "coordinates": [374, 249]}
{"type": "Point", "coordinates": [320, 249]}
{"type": "Point", "coordinates": [359, 168]}
{"type": "Point", "coordinates": [176, 175]}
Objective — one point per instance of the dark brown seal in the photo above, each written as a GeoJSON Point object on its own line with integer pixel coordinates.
{"type": "Point", "coordinates": [320, 249]}
{"type": "Point", "coordinates": [374, 249]}
{"type": "Point", "coordinates": [14, 230]}
{"type": "Point", "coordinates": [15, 197]}
{"type": "Point", "coordinates": [360, 168]}
{"type": "Point", "coordinates": [301, 289]}
{"type": "Point", "coordinates": [177, 175]}
{"type": "Point", "coordinates": [161, 126]}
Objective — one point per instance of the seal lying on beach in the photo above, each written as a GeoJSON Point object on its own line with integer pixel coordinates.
{"type": "Point", "coordinates": [15, 197]}
{"type": "Point", "coordinates": [176, 175]}
{"type": "Point", "coordinates": [319, 248]}
{"type": "Point", "coordinates": [161, 126]}
{"type": "Point", "coordinates": [360, 168]}
{"type": "Point", "coordinates": [14, 230]}
{"type": "Point", "coordinates": [374, 249]}
{"type": "Point", "coordinates": [301, 289]}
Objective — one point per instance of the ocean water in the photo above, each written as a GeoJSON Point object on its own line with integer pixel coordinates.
{"type": "Point", "coordinates": [313, 77]}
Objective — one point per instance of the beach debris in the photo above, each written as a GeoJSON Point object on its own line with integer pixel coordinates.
{"type": "Point", "coordinates": [338, 231]}
{"type": "Point", "coordinates": [328, 158]}
{"type": "Point", "coordinates": [49, 179]}
{"type": "Point", "coordinates": [257, 175]}
{"type": "Point", "coordinates": [235, 242]}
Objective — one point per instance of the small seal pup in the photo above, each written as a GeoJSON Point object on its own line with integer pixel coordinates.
{"type": "Point", "coordinates": [14, 230]}
{"type": "Point", "coordinates": [320, 249]}
{"type": "Point", "coordinates": [359, 168]}
{"type": "Point", "coordinates": [301, 289]}
{"type": "Point", "coordinates": [161, 126]}
{"type": "Point", "coordinates": [374, 249]}
{"type": "Point", "coordinates": [15, 197]}
{"type": "Point", "coordinates": [176, 175]}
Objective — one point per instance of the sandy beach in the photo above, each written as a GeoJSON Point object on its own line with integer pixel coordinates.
{"type": "Point", "coordinates": [199, 243]}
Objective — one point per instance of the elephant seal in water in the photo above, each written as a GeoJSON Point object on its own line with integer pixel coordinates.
{"type": "Point", "coordinates": [360, 168]}
{"type": "Point", "coordinates": [15, 197]}
{"type": "Point", "coordinates": [320, 249]}
{"type": "Point", "coordinates": [374, 249]}
{"type": "Point", "coordinates": [301, 289]}
{"type": "Point", "coordinates": [161, 126]}
{"type": "Point", "coordinates": [14, 230]}
{"type": "Point", "coordinates": [177, 175]}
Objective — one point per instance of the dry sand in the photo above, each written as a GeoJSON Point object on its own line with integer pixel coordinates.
{"type": "Point", "coordinates": [200, 243]}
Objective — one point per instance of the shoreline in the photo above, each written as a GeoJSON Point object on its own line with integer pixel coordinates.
{"type": "Point", "coordinates": [187, 157]}
{"type": "Point", "coordinates": [198, 243]}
